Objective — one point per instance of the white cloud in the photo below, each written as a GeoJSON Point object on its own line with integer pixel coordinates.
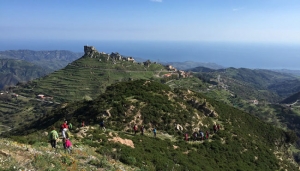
{"type": "Point", "coordinates": [156, 0]}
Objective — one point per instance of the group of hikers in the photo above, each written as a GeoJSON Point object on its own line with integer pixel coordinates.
{"type": "Point", "coordinates": [53, 136]}
{"type": "Point", "coordinates": [66, 127]}
{"type": "Point", "coordinates": [201, 135]}
{"type": "Point", "coordinates": [142, 130]}
{"type": "Point", "coordinates": [195, 136]}
{"type": "Point", "coordinates": [65, 135]}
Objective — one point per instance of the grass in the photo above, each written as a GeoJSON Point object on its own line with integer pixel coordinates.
{"type": "Point", "coordinates": [160, 105]}
{"type": "Point", "coordinates": [89, 77]}
{"type": "Point", "coordinates": [40, 156]}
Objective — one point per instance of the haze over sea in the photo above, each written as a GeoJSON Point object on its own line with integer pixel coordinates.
{"type": "Point", "coordinates": [246, 55]}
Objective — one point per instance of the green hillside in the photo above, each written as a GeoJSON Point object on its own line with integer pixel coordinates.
{"type": "Point", "coordinates": [263, 85]}
{"type": "Point", "coordinates": [89, 76]}
{"type": "Point", "coordinates": [13, 71]}
{"type": "Point", "coordinates": [243, 142]}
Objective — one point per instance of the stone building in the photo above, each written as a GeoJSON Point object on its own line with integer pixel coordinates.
{"type": "Point", "coordinates": [89, 49]}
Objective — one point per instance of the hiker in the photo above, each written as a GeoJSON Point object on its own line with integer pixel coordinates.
{"type": "Point", "coordinates": [68, 145]}
{"type": "Point", "coordinates": [218, 127]}
{"type": "Point", "coordinates": [82, 124]}
{"type": "Point", "coordinates": [206, 135]}
{"type": "Point", "coordinates": [154, 132]}
{"type": "Point", "coordinates": [215, 128]}
{"type": "Point", "coordinates": [142, 130]}
{"type": "Point", "coordinates": [186, 136]}
{"type": "Point", "coordinates": [70, 126]}
{"type": "Point", "coordinates": [201, 135]}
{"type": "Point", "coordinates": [195, 134]}
{"type": "Point", "coordinates": [53, 136]}
{"type": "Point", "coordinates": [135, 129]}
{"type": "Point", "coordinates": [64, 129]}
{"type": "Point", "coordinates": [102, 125]}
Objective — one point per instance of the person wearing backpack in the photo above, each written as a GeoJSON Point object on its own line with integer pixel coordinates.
{"type": "Point", "coordinates": [70, 126]}
{"type": "Point", "coordinates": [215, 128]}
{"type": "Point", "coordinates": [218, 126]}
{"type": "Point", "coordinates": [206, 134]}
{"type": "Point", "coordinates": [135, 129]}
{"type": "Point", "coordinates": [102, 126]}
{"type": "Point", "coordinates": [186, 136]}
{"type": "Point", "coordinates": [154, 132]}
{"type": "Point", "coordinates": [53, 136]}
{"type": "Point", "coordinates": [195, 134]}
{"type": "Point", "coordinates": [64, 128]}
{"type": "Point", "coordinates": [68, 145]}
{"type": "Point", "coordinates": [201, 135]}
{"type": "Point", "coordinates": [142, 129]}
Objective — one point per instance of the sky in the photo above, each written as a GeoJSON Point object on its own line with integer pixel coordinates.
{"type": "Point", "coordinates": [262, 21]}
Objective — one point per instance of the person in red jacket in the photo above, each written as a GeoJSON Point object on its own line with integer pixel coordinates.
{"type": "Point", "coordinates": [215, 128]}
{"type": "Point", "coordinates": [206, 135]}
{"type": "Point", "coordinates": [218, 127]}
{"type": "Point", "coordinates": [135, 129]}
{"type": "Point", "coordinates": [64, 128]}
{"type": "Point", "coordinates": [186, 136]}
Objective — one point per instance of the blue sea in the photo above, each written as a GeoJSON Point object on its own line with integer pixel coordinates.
{"type": "Point", "coordinates": [246, 55]}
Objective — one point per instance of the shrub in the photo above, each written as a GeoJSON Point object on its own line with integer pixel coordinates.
{"type": "Point", "coordinates": [128, 159]}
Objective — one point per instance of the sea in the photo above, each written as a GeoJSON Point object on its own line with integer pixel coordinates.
{"type": "Point", "coordinates": [226, 54]}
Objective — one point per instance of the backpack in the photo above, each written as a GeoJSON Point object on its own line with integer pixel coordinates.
{"type": "Point", "coordinates": [61, 127]}
{"type": "Point", "coordinates": [52, 135]}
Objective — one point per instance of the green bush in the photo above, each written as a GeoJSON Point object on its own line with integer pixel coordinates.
{"type": "Point", "coordinates": [128, 159]}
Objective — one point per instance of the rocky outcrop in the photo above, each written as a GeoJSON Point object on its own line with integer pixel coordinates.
{"type": "Point", "coordinates": [89, 50]}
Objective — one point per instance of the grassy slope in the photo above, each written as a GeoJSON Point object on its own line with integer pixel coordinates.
{"type": "Point", "coordinates": [85, 78]}
{"type": "Point", "coordinates": [244, 143]}
{"type": "Point", "coordinates": [88, 77]}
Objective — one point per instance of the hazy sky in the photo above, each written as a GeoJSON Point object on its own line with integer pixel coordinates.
{"type": "Point", "coordinates": [275, 21]}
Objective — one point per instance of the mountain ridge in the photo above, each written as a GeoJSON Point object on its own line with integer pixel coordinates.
{"type": "Point", "coordinates": [13, 71]}
{"type": "Point", "coordinates": [153, 104]}
{"type": "Point", "coordinates": [53, 59]}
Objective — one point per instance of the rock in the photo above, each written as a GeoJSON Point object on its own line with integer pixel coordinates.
{"type": "Point", "coordinates": [179, 127]}
{"type": "Point", "coordinates": [4, 153]}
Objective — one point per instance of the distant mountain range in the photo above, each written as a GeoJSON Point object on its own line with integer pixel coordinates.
{"type": "Point", "coordinates": [52, 60]}
{"type": "Point", "coordinates": [287, 71]}
{"type": "Point", "coordinates": [13, 71]}
{"type": "Point", "coordinates": [187, 65]}
{"type": "Point", "coordinates": [25, 65]}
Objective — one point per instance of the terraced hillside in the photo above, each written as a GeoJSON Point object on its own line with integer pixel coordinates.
{"type": "Point", "coordinates": [16, 110]}
{"type": "Point", "coordinates": [89, 76]}
{"type": "Point", "coordinates": [249, 84]}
